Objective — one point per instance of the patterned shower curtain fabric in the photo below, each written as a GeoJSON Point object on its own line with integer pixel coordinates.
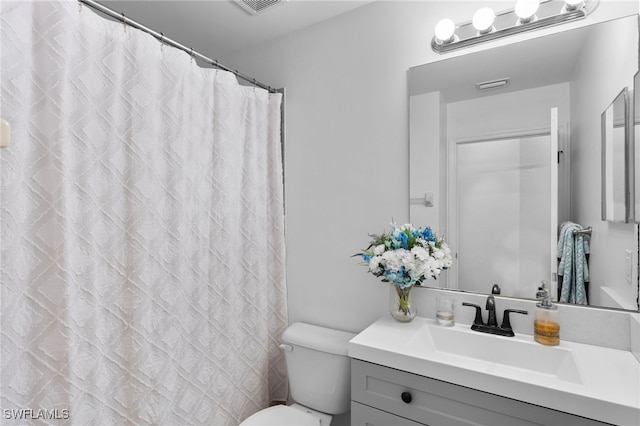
{"type": "Point", "coordinates": [142, 229]}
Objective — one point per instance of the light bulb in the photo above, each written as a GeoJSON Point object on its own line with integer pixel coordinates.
{"type": "Point", "coordinates": [445, 31]}
{"type": "Point", "coordinates": [573, 4]}
{"type": "Point", "coordinates": [483, 20]}
{"type": "Point", "coordinates": [526, 9]}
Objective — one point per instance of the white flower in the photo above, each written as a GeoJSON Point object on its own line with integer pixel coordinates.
{"type": "Point", "coordinates": [391, 260]}
{"type": "Point", "coordinates": [419, 271]}
{"type": "Point", "coordinates": [378, 250]}
{"type": "Point", "coordinates": [438, 254]}
{"type": "Point", "coordinates": [408, 261]}
{"type": "Point", "coordinates": [374, 265]}
{"type": "Point", "coordinates": [422, 242]}
{"type": "Point", "coordinates": [420, 252]}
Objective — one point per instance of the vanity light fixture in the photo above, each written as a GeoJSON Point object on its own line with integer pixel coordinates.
{"type": "Point", "coordinates": [445, 31]}
{"type": "Point", "coordinates": [483, 20]}
{"type": "Point", "coordinates": [526, 11]}
{"type": "Point", "coordinates": [527, 15]}
{"type": "Point", "coordinates": [572, 4]}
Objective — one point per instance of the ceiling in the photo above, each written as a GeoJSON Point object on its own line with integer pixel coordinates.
{"type": "Point", "coordinates": [219, 28]}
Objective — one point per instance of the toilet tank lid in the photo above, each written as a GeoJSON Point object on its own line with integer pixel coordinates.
{"type": "Point", "coordinates": [317, 338]}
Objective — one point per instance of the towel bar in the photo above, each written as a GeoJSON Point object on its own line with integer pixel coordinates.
{"type": "Point", "coordinates": [585, 231]}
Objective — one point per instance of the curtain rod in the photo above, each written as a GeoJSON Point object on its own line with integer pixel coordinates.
{"type": "Point", "coordinates": [161, 37]}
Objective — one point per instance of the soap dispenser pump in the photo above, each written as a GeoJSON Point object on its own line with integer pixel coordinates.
{"type": "Point", "coordinates": [546, 328]}
{"type": "Point", "coordinates": [542, 291]}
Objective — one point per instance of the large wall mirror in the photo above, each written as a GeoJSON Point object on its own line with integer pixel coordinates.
{"type": "Point", "coordinates": [505, 144]}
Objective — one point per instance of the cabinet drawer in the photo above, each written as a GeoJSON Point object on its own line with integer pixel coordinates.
{"type": "Point", "coordinates": [434, 402]}
{"type": "Point", "coordinates": [363, 415]}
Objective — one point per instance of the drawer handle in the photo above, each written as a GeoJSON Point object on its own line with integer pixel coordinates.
{"type": "Point", "coordinates": [406, 397]}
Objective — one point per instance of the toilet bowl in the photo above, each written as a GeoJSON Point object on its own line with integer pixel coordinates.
{"type": "Point", "coordinates": [319, 372]}
{"type": "Point", "coordinates": [288, 415]}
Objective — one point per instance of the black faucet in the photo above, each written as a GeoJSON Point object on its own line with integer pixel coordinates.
{"type": "Point", "coordinates": [492, 323]}
{"type": "Point", "coordinates": [491, 308]}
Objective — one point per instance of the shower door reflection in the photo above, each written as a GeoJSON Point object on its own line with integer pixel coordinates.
{"type": "Point", "coordinates": [503, 223]}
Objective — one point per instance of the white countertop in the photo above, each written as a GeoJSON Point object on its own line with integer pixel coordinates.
{"type": "Point", "coordinates": [608, 388]}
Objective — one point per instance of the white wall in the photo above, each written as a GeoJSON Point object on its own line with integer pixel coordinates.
{"type": "Point", "coordinates": [347, 143]}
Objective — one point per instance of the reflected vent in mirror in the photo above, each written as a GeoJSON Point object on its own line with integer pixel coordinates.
{"type": "Point", "coordinates": [493, 84]}
{"type": "Point", "coordinates": [256, 6]}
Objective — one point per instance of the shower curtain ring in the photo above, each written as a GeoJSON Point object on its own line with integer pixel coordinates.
{"type": "Point", "coordinates": [161, 41]}
{"type": "Point", "coordinates": [191, 54]}
{"type": "Point", "coordinates": [124, 22]}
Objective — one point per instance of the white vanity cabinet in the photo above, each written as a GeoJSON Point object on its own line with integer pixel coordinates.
{"type": "Point", "coordinates": [383, 396]}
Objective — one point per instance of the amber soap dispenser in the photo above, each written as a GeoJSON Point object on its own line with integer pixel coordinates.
{"type": "Point", "coordinates": [546, 328]}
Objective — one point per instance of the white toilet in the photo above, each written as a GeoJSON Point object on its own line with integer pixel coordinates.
{"type": "Point", "coordinates": [319, 378]}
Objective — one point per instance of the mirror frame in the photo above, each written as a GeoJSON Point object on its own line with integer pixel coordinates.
{"type": "Point", "coordinates": [609, 122]}
{"type": "Point", "coordinates": [634, 135]}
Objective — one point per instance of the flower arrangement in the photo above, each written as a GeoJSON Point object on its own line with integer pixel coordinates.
{"type": "Point", "coordinates": [407, 255]}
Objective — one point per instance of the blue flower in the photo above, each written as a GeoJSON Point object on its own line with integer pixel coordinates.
{"type": "Point", "coordinates": [399, 278]}
{"type": "Point", "coordinates": [404, 240]}
{"type": "Point", "coordinates": [427, 234]}
{"type": "Point", "coordinates": [394, 277]}
{"type": "Point", "coordinates": [366, 257]}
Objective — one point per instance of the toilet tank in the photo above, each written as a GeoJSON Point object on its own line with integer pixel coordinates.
{"type": "Point", "coordinates": [318, 367]}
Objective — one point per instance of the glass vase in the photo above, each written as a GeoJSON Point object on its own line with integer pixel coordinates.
{"type": "Point", "coordinates": [401, 305]}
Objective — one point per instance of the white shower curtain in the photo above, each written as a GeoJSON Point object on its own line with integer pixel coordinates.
{"type": "Point", "coordinates": [142, 229]}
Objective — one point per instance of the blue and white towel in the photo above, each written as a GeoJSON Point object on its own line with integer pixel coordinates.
{"type": "Point", "coordinates": [572, 251]}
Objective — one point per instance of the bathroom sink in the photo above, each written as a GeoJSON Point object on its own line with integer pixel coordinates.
{"type": "Point", "coordinates": [586, 380]}
{"type": "Point", "coordinates": [527, 355]}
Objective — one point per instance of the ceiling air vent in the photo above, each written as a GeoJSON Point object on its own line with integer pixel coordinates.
{"type": "Point", "coordinates": [256, 6]}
